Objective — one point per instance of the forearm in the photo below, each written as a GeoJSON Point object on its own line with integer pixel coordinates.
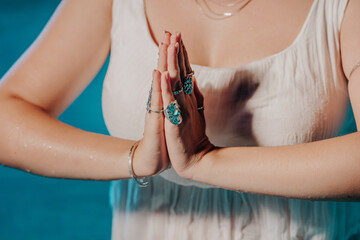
{"type": "Point", "coordinates": [323, 169]}
{"type": "Point", "coordinates": [33, 141]}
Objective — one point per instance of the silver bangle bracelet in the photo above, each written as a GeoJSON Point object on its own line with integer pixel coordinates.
{"type": "Point", "coordinates": [139, 181]}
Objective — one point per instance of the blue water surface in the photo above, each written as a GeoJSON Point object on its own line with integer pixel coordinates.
{"type": "Point", "coordinates": [35, 207]}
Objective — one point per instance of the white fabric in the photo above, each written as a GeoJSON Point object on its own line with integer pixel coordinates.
{"type": "Point", "coordinates": [297, 95]}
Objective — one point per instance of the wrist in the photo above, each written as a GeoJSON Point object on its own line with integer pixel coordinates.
{"type": "Point", "coordinates": [145, 165]}
{"type": "Point", "coordinates": [140, 168]}
{"type": "Point", "coordinates": [140, 181]}
{"type": "Point", "coordinates": [199, 163]}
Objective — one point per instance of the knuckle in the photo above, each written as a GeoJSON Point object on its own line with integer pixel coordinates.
{"type": "Point", "coordinates": [173, 73]}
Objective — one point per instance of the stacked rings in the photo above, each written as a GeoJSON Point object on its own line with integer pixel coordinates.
{"type": "Point", "coordinates": [172, 111]}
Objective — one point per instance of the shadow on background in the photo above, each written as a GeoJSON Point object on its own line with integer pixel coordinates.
{"type": "Point", "coordinates": [35, 207]}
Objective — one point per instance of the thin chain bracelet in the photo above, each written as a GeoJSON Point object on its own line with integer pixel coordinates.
{"type": "Point", "coordinates": [139, 181]}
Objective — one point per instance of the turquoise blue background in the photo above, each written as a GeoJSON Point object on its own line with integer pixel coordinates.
{"type": "Point", "coordinates": [34, 207]}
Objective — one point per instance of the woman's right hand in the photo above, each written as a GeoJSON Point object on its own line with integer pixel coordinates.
{"type": "Point", "coordinates": [151, 156]}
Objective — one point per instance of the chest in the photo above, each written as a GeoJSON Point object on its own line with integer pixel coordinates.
{"type": "Point", "coordinates": [295, 96]}
{"type": "Point", "coordinates": [260, 29]}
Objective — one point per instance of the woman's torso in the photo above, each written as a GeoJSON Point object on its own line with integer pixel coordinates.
{"type": "Point", "coordinates": [278, 81]}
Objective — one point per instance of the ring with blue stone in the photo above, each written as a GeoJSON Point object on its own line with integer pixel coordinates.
{"type": "Point", "coordinates": [188, 84]}
{"type": "Point", "coordinates": [172, 113]}
{"type": "Point", "coordinates": [177, 91]}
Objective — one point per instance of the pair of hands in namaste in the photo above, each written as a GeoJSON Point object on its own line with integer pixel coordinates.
{"type": "Point", "coordinates": [182, 145]}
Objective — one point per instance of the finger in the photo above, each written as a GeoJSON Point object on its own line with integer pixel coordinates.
{"type": "Point", "coordinates": [192, 96]}
{"type": "Point", "coordinates": [166, 38]}
{"type": "Point", "coordinates": [181, 59]}
{"type": "Point", "coordinates": [166, 90]}
{"type": "Point", "coordinates": [174, 71]}
{"type": "Point", "coordinates": [154, 121]}
{"type": "Point", "coordinates": [186, 58]}
{"type": "Point", "coordinates": [169, 98]}
{"type": "Point", "coordinates": [167, 94]}
{"type": "Point", "coordinates": [198, 95]}
{"type": "Point", "coordinates": [174, 38]}
{"type": "Point", "coordinates": [173, 60]}
{"type": "Point", "coordinates": [156, 100]}
{"type": "Point", "coordinates": [183, 70]}
{"type": "Point", "coordinates": [162, 62]}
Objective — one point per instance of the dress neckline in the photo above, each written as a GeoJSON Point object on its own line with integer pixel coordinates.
{"type": "Point", "coordinates": [243, 66]}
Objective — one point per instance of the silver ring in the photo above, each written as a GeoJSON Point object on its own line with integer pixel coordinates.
{"type": "Point", "coordinates": [190, 73]}
{"type": "Point", "coordinates": [149, 110]}
{"type": "Point", "coordinates": [201, 108]}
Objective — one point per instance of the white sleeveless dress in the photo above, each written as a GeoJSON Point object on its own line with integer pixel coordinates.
{"type": "Point", "coordinates": [297, 95]}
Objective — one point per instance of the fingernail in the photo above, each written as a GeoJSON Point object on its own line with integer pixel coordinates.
{"type": "Point", "coordinates": [178, 34]}
{"type": "Point", "coordinates": [166, 31]}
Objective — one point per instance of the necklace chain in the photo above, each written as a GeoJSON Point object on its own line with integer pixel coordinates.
{"type": "Point", "coordinates": [226, 3]}
{"type": "Point", "coordinates": [211, 13]}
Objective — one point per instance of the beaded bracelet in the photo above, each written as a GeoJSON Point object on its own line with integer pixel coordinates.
{"type": "Point", "coordinates": [139, 181]}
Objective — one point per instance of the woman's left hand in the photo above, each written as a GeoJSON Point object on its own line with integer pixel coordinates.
{"type": "Point", "coordinates": [186, 142]}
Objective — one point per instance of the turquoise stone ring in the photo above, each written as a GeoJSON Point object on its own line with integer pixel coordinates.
{"type": "Point", "coordinates": [188, 85]}
{"type": "Point", "coordinates": [177, 91]}
{"type": "Point", "coordinates": [172, 113]}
